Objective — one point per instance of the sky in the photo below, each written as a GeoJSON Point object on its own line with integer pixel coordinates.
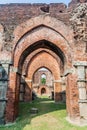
{"type": "Point", "coordinates": [34, 1]}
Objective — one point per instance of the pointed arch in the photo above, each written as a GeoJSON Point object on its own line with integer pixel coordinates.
{"type": "Point", "coordinates": [43, 20]}
{"type": "Point", "coordinates": [40, 61]}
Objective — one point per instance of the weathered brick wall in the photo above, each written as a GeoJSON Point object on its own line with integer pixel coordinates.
{"type": "Point", "coordinates": [38, 74]}
{"type": "Point", "coordinates": [11, 15]}
{"type": "Point", "coordinates": [59, 36]}
{"type": "Point", "coordinates": [14, 14]}
{"type": "Point", "coordinates": [38, 86]}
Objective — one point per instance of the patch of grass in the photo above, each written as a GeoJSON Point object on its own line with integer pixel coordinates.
{"type": "Point", "coordinates": [51, 116]}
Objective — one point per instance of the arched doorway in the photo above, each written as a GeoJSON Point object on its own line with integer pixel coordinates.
{"type": "Point", "coordinates": [43, 91]}
{"type": "Point", "coordinates": [37, 63]}
{"type": "Point", "coordinates": [42, 78]}
{"type": "Point", "coordinates": [41, 35]}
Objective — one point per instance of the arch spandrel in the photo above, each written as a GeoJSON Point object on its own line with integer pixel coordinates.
{"type": "Point", "coordinates": [45, 20]}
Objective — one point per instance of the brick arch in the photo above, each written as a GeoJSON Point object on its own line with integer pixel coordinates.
{"type": "Point", "coordinates": [45, 20]}
{"type": "Point", "coordinates": [34, 53]}
{"type": "Point", "coordinates": [49, 69]}
{"type": "Point", "coordinates": [37, 63]}
{"type": "Point", "coordinates": [27, 40]}
{"type": "Point", "coordinates": [28, 60]}
{"type": "Point", "coordinates": [42, 87]}
{"type": "Point", "coordinates": [41, 34]}
{"type": "Point", "coordinates": [40, 73]}
{"type": "Point", "coordinates": [48, 61]}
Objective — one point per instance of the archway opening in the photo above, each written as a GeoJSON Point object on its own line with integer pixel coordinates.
{"type": "Point", "coordinates": [54, 61]}
{"type": "Point", "coordinates": [56, 64]}
{"type": "Point", "coordinates": [43, 91]}
{"type": "Point", "coordinates": [57, 68]}
{"type": "Point", "coordinates": [45, 45]}
{"type": "Point", "coordinates": [43, 78]}
{"type": "Point", "coordinates": [48, 34]}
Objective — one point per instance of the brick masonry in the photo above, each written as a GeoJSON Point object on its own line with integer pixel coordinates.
{"type": "Point", "coordinates": [40, 35]}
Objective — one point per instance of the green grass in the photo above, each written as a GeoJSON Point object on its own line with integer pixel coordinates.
{"type": "Point", "coordinates": [51, 116]}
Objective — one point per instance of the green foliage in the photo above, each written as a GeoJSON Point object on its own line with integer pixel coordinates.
{"type": "Point", "coordinates": [51, 116]}
{"type": "Point", "coordinates": [43, 81]}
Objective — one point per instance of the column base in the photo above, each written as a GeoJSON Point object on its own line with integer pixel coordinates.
{"type": "Point", "coordinates": [77, 121]}
{"type": "Point", "coordinates": [83, 110]}
{"type": "Point", "coordinates": [2, 121]}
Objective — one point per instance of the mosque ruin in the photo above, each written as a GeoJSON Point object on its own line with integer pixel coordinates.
{"type": "Point", "coordinates": [51, 36]}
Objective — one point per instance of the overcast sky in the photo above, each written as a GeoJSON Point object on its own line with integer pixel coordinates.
{"type": "Point", "coordinates": [34, 1]}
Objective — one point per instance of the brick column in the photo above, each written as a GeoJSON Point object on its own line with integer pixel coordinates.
{"type": "Point", "coordinates": [72, 105]}
{"type": "Point", "coordinates": [63, 85]}
{"type": "Point", "coordinates": [12, 95]}
{"type": "Point", "coordinates": [57, 90]}
{"type": "Point", "coordinates": [72, 96]}
{"type": "Point", "coordinates": [28, 90]}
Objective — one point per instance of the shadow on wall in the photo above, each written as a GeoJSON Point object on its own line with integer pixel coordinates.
{"type": "Point", "coordinates": [25, 91]}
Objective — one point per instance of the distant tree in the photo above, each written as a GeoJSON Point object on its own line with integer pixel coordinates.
{"type": "Point", "coordinates": [43, 80]}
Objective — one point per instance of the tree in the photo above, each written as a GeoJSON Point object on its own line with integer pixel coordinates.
{"type": "Point", "coordinates": [43, 80]}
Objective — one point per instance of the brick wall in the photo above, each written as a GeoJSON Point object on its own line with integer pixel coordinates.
{"type": "Point", "coordinates": [52, 40]}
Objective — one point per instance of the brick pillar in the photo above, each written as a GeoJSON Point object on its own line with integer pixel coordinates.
{"type": "Point", "coordinates": [17, 94]}
{"type": "Point", "coordinates": [28, 90]}
{"type": "Point", "coordinates": [72, 96]}
{"type": "Point", "coordinates": [63, 85]}
{"type": "Point", "coordinates": [57, 90]}
{"type": "Point", "coordinates": [12, 95]}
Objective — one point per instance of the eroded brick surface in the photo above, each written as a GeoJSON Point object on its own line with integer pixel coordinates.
{"type": "Point", "coordinates": [39, 35]}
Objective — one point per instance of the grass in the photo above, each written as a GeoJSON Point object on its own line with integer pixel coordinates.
{"type": "Point", "coordinates": [51, 116]}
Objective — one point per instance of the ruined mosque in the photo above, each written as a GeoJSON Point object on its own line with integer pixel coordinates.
{"type": "Point", "coordinates": [43, 51]}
